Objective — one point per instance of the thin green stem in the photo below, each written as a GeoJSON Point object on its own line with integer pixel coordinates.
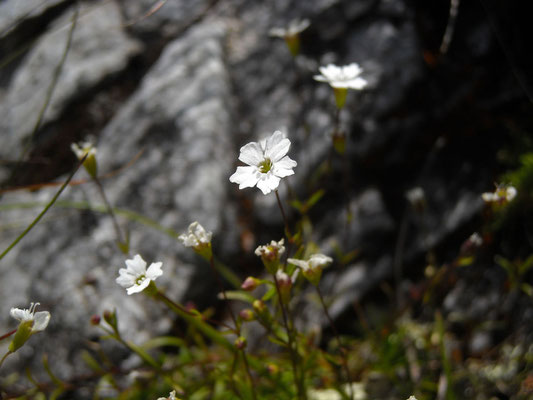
{"type": "Point", "coordinates": [7, 334]}
{"type": "Point", "coordinates": [50, 204]}
{"type": "Point", "coordinates": [237, 326]}
{"type": "Point", "coordinates": [285, 220]}
{"type": "Point", "coordinates": [194, 320]}
{"type": "Point", "coordinates": [293, 352]}
{"type": "Point", "coordinates": [4, 357]}
{"type": "Point", "coordinates": [53, 82]}
{"type": "Point", "coordinates": [339, 343]}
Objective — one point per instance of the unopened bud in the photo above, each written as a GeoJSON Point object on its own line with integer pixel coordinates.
{"type": "Point", "coordinates": [272, 369]}
{"type": "Point", "coordinates": [240, 343]}
{"type": "Point", "coordinates": [247, 315]}
{"type": "Point", "coordinates": [250, 284]}
{"type": "Point", "coordinates": [95, 319]}
{"type": "Point", "coordinates": [259, 306]}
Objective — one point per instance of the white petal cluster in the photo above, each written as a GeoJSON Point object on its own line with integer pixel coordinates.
{"type": "Point", "coordinates": [83, 148]}
{"type": "Point", "coordinates": [196, 236]}
{"type": "Point", "coordinates": [40, 319]}
{"type": "Point", "coordinates": [346, 77]}
{"type": "Point", "coordinates": [502, 194]}
{"type": "Point", "coordinates": [171, 396]}
{"type": "Point", "coordinates": [271, 251]}
{"type": "Point", "coordinates": [135, 278]}
{"type": "Point", "coordinates": [315, 261]}
{"type": "Point", "coordinates": [296, 26]}
{"type": "Point", "coordinates": [267, 162]}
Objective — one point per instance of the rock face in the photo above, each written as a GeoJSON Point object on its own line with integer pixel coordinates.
{"type": "Point", "coordinates": [182, 85]}
{"type": "Point", "coordinates": [97, 50]}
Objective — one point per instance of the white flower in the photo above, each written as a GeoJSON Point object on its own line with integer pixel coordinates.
{"type": "Point", "coordinates": [315, 261]}
{"type": "Point", "coordinates": [83, 148]}
{"type": "Point", "coordinates": [312, 268]}
{"type": "Point", "coordinates": [171, 396]}
{"type": "Point", "coordinates": [267, 163]}
{"type": "Point", "coordinates": [196, 237]}
{"type": "Point", "coordinates": [40, 319]}
{"type": "Point", "coordinates": [346, 77]}
{"type": "Point", "coordinates": [271, 251]}
{"type": "Point", "coordinates": [136, 277]}
{"type": "Point", "coordinates": [295, 27]}
{"type": "Point", "coordinates": [502, 194]}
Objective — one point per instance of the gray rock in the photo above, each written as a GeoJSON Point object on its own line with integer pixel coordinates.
{"type": "Point", "coordinates": [179, 118]}
{"type": "Point", "coordinates": [162, 18]}
{"type": "Point", "coordinates": [13, 12]}
{"type": "Point", "coordinates": [98, 50]}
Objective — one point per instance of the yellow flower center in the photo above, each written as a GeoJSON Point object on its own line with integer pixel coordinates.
{"type": "Point", "coordinates": [265, 166]}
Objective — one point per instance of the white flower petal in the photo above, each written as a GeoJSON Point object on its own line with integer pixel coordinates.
{"type": "Point", "coordinates": [125, 279]}
{"type": "Point", "coordinates": [137, 264]}
{"type": "Point", "coordinates": [278, 150]}
{"type": "Point", "coordinates": [20, 314]}
{"type": "Point", "coordinates": [245, 177]}
{"type": "Point", "coordinates": [138, 287]}
{"type": "Point", "coordinates": [268, 183]}
{"type": "Point", "coordinates": [154, 271]}
{"type": "Point", "coordinates": [41, 320]}
{"type": "Point", "coordinates": [299, 263]}
{"type": "Point", "coordinates": [319, 260]}
{"type": "Point", "coordinates": [284, 167]}
{"type": "Point", "coordinates": [251, 154]}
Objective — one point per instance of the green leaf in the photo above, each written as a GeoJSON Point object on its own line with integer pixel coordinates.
{"type": "Point", "coordinates": [240, 295]}
{"type": "Point", "coordinates": [269, 294]}
{"type": "Point", "coordinates": [91, 362]}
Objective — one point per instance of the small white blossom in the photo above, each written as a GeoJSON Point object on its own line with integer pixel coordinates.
{"type": "Point", "coordinates": [271, 251]}
{"type": "Point", "coordinates": [315, 261]}
{"type": "Point", "coordinates": [295, 27]}
{"type": "Point", "coordinates": [171, 396]}
{"type": "Point", "coordinates": [267, 162]}
{"type": "Point", "coordinates": [40, 319]}
{"type": "Point", "coordinates": [312, 268]}
{"type": "Point", "coordinates": [135, 278]}
{"type": "Point", "coordinates": [197, 236]}
{"type": "Point", "coordinates": [346, 77]}
{"type": "Point", "coordinates": [83, 148]}
{"type": "Point", "coordinates": [502, 194]}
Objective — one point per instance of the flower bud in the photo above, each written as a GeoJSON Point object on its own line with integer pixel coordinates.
{"type": "Point", "coordinates": [111, 318]}
{"type": "Point", "coordinates": [86, 149]}
{"type": "Point", "coordinates": [247, 315]}
{"type": "Point", "coordinates": [272, 369]}
{"type": "Point", "coordinates": [284, 283]}
{"type": "Point", "coordinates": [95, 320]}
{"type": "Point", "coordinates": [270, 255]}
{"type": "Point", "coordinates": [240, 342]}
{"type": "Point", "coordinates": [24, 331]}
{"type": "Point", "coordinates": [250, 284]}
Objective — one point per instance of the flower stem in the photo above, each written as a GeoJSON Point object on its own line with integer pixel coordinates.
{"type": "Point", "coordinates": [298, 377]}
{"type": "Point", "coordinates": [7, 334]}
{"type": "Point", "coordinates": [285, 221]}
{"type": "Point", "coordinates": [237, 326]}
{"type": "Point", "coordinates": [46, 208]}
{"type": "Point", "coordinates": [337, 337]}
{"type": "Point", "coordinates": [4, 357]}
{"type": "Point", "coordinates": [192, 318]}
